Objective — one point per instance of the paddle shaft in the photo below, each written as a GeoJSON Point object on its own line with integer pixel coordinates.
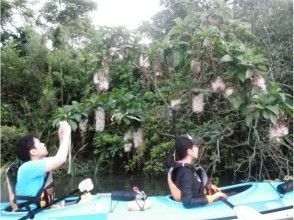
{"type": "Point", "coordinates": [245, 212]}
{"type": "Point", "coordinates": [228, 203]}
{"type": "Point", "coordinates": [35, 211]}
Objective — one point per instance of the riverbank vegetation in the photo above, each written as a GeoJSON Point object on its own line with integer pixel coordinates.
{"type": "Point", "coordinates": [221, 70]}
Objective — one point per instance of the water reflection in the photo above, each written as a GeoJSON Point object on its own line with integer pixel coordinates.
{"type": "Point", "coordinates": [151, 186]}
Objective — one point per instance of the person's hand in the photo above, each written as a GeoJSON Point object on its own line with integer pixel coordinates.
{"type": "Point", "coordinates": [14, 206]}
{"type": "Point", "coordinates": [214, 188]}
{"type": "Point", "coordinates": [64, 130]}
{"type": "Point", "coordinates": [216, 196]}
{"type": "Point", "coordinates": [211, 189]}
{"type": "Point", "coordinates": [219, 195]}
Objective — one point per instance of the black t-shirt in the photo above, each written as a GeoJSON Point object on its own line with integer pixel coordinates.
{"type": "Point", "coordinates": [192, 189]}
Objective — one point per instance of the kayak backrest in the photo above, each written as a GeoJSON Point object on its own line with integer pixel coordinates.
{"type": "Point", "coordinates": [237, 189]}
{"type": "Point", "coordinates": [139, 197]}
{"type": "Point", "coordinates": [123, 195]}
{"type": "Point", "coordinates": [285, 187]}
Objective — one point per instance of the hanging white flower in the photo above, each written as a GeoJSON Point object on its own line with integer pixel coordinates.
{"type": "Point", "coordinates": [49, 45]}
{"type": "Point", "coordinates": [83, 124]}
{"type": "Point", "coordinates": [278, 131]}
{"type": "Point", "coordinates": [120, 56]}
{"type": "Point", "coordinates": [113, 51]}
{"type": "Point", "coordinates": [103, 85]}
{"type": "Point", "coordinates": [218, 85]}
{"type": "Point", "coordinates": [158, 73]}
{"type": "Point", "coordinates": [100, 119]}
{"type": "Point", "coordinates": [128, 147]}
{"type": "Point", "coordinates": [144, 62]}
{"type": "Point", "coordinates": [105, 69]}
{"type": "Point", "coordinates": [175, 103]}
{"type": "Point", "coordinates": [158, 70]}
{"type": "Point", "coordinates": [259, 82]}
{"type": "Point", "coordinates": [229, 91]}
{"type": "Point", "coordinates": [141, 60]}
{"type": "Point", "coordinates": [96, 78]}
{"type": "Point", "coordinates": [195, 66]}
{"type": "Point", "coordinates": [198, 103]}
{"type": "Point", "coordinates": [138, 138]}
{"type": "Point", "coordinates": [128, 135]}
{"type": "Point", "coordinates": [101, 81]}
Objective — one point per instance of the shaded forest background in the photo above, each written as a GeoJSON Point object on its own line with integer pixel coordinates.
{"type": "Point", "coordinates": [221, 70]}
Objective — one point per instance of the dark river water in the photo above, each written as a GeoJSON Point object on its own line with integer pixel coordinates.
{"type": "Point", "coordinates": [104, 184]}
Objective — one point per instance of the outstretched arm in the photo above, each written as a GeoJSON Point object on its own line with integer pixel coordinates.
{"type": "Point", "coordinates": [56, 161]}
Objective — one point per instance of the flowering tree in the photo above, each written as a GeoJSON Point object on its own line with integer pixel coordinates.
{"type": "Point", "coordinates": [209, 56]}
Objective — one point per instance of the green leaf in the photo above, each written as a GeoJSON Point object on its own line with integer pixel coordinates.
{"type": "Point", "coordinates": [178, 21]}
{"type": "Point", "coordinates": [266, 114]}
{"type": "Point", "coordinates": [84, 114]}
{"type": "Point", "coordinates": [226, 58]}
{"type": "Point", "coordinates": [74, 103]}
{"type": "Point", "coordinates": [73, 125]}
{"type": "Point", "coordinates": [248, 120]}
{"type": "Point", "coordinates": [241, 76]}
{"type": "Point", "coordinates": [184, 43]}
{"type": "Point", "coordinates": [262, 68]}
{"type": "Point", "coordinates": [273, 109]}
{"type": "Point", "coordinates": [257, 97]}
{"type": "Point", "coordinates": [176, 58]}
{"type": "Point", "coordinates": [126, 121]}
{"type": "Point", "coordinates": [188, 53]}
{"type": "Point", "coordinates": [77, 117]}
{"type": "Point", "coordinates": [236, 102]}
{"type": "Point", "coordinates": [283, 97]}
{"type": "Point", "coordinates": [289, 103]}
{"type": "Point", "coordinates": [248, 74]}
{"type": "Point", "coordinates": [55, 122]}
{"type": "Point", "coordinates": [259, 106]}
{"type": "Point", "coordinates": [273, 118]}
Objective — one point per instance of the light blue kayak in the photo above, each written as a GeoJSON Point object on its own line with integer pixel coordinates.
{"type": "Point", "coordinates": [262, 197]}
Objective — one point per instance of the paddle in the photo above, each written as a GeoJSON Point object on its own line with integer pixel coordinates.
{"type": "Point", "coordinates": [245, 212]}
{"type": "Point", "coordinates": [84, 186]}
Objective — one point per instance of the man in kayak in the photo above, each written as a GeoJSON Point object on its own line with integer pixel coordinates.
{"type": "Point", "coordinates": [34, 182]}
{"type": "Point", "coordinates": [188, 185]}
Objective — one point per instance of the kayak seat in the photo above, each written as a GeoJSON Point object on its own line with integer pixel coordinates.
{"type": "Point", "coordinates": [236, 190]}
{"type": "Point", "coordinates": [285, 187]}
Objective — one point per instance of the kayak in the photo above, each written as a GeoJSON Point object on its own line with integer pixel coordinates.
{"type": "Point", "coordinates": [262, 197]}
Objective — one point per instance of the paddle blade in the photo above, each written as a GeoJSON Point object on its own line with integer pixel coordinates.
{"type": "Point", "coordinates": [247, 213]}
{"type": "Point", "coordinates": [86, 185]}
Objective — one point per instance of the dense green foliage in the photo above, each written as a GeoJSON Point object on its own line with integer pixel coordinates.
{"type": "Point", "coordinates": [234, 59]}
